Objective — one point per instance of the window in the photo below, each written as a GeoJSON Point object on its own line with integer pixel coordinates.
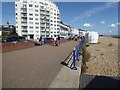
{"type": "Point", "coordinates": [30, 10]}
{"type": "Point", "coordinates": [24, 5]}
{"type": "Point", "coordinates": [16, 14]}
{"type": "Point", "coordinates": [37, 23]}
{"type": "Point", "coordinates": [51, 20]}
{"type": "Point", "coordinates": [36, 14]}
{"type": "Point", "coordinates": [24, 1]}
{"type": "Point", "coordinates": [30, 18]}
{"type": "Point", "coordinates": [37, 27]}
{"type": "Point", "coordinates": [54, 17]}
{"type": "Point", "coordinates": [37, 31]}
{"type": "Point", "coordinates": [36, 10]}
{"type": "Point", "coordinates": [30, 5]}
{"type": "Point", "coordinates": [36, 18]}
{"type": "Point", "coordinates": [42, 7]}
{"type": "Point", "coordinates": [16, 5]}
{"type": "Point", "coordinates": [36, 5]}
{"type": "Point", "coordinates": [30, 22]}
{"type": "Point", "coordinates": [31, 31]}
{"type": "Point", "coordinates": [24, 22]}
{"type": "Point", "coordinates": [31, 14]}
{"type": "Point", "coordinates": [31, 27]}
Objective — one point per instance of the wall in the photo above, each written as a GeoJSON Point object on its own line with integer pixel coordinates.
{"type": "Point", "coordinates": [7, 47]}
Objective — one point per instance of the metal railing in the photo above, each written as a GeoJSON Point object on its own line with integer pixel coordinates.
{"type": "Point", "coordinates": [77, 51]}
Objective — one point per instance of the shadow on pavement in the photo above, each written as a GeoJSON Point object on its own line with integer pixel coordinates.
{"type": "Point", "coordinates": [103, 82]}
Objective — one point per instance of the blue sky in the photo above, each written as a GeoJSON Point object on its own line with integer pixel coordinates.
{"type": "Point", "coordinates": [99, 16]}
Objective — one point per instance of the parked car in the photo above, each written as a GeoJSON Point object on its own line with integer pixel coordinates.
{"type": "Point", "coordinates": [13, 39]}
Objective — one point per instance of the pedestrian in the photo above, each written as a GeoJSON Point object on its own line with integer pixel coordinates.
{"type": "Point", "coordinates": [59, 40]}
{"type": "Point", "coordinates": [40, 40]}
{"type": "Point", "coordinates": [55, 40]}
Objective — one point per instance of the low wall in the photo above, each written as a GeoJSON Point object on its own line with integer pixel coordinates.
{"type": "Point", "coordinates": [7, 47]}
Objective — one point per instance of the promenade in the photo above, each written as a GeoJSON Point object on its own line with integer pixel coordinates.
{"type": "Point", "coordinates": [35, 67]}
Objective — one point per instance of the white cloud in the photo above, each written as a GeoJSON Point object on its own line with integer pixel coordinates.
{"type": "Point", "coordinates": [102, 22]}
{"type": "Point", "coordinates": [87, 25]}
{"type": "Point", "coordinates": [110, 31]}
{"type": "Point", "coordinates": [93, 11]}
{"type": "Point", "coordinates": [118, 23]}
{"type": "Point", "coordinates": [112, 25]}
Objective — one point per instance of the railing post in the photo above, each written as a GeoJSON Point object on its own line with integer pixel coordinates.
{"type": "Point", "coordinates": [74, 59]}
{"type": "Point", "coordinates": [78, 52]}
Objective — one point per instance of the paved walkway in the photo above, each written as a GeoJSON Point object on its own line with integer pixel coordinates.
{"type": "Point", "coordinates": [34, 67]}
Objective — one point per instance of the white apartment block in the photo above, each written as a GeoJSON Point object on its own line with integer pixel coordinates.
{"type": "Point", "coordinates": [64, 30]}
{"type": "Point", "coordinates": [35, 18]}
{"type": "Point", "coordinates": [74, 31]}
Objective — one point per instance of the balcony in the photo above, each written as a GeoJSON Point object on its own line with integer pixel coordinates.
{"type": "Point", "coordinates": [42, 30]}
{"type": "Point", "coordinates": [24, 11]}
{"type": "Point", "coordinates": [42, 25]}
{"type": "Point", "coordinates": [24, 24]}
{"type": "Point", "coordinates": [24, 20]}
{"type": "Point", "coordinates": [24, 15]}
{"type": "Point", "coordinates": [24, 32]}
{"type": "Point", "coordinates": [42, 9]}
{"type": "Point", "coordinates": [42, 17]}
{"type": "Point", "coordinates": [42, 12]}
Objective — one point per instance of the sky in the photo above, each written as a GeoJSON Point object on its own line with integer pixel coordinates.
{"type": "Point", "coordinates": [93, 16]}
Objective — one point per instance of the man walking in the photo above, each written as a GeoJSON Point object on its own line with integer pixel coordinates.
{"type": "Point", "coordinates": [59, 40]}
{"type": "Point", "coordinates": [55, 40]}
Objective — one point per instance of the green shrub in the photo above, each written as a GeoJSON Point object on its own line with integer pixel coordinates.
{"type": "Point", "coordinates": [85, 57]}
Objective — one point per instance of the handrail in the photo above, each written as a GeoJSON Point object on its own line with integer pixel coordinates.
{"type": "Point", "coordinates": [77, 50]}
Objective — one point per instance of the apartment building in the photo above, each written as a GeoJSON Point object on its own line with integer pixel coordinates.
{"type": "Point", "coordinates": [82, 32]}
{"type": "Point", "coordinates": [74, 31]}
{"type": "Point", "coordinates": [64, 30]}
{"type": "Point", "coordinates": [35, 18]}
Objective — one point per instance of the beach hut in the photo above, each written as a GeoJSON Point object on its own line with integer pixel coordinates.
{"type": "Point", "coordinates": [93, 37]}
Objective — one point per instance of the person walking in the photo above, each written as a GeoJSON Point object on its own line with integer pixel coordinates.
{"type": "Point", "coordinates": [55, 40]}
{"type": "Point", "coordinates": [40, 40]}
{"type": "Point", "coordinates": [59, 40]}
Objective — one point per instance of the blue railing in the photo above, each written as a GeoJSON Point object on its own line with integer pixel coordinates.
{"type": "Point", "coordinates": [77, 51]}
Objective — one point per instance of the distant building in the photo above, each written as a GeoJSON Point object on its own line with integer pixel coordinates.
{"type": "Point", "coordinates": [64, 30]}
{"type": "Point", "coordinates": [74, 31]}
{"type": "Point", "coordinates": [7, 28]}
{"type": "Point", "coordinates": [82, 32]}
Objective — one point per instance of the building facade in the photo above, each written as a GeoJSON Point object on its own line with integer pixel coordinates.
{"type": "Point", "coordinates": [74, 31]}
{"type": "Point", "coordinates": [64, 30]}
{"type": "Point", "coordinates": [35, 18]}
{"type": "Point", "coordinates": [82, 32]}
{"type": "Point", "coordinates": [11, 29]}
